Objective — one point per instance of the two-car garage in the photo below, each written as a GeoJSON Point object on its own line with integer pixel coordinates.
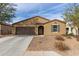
{"type": "Point", "coordinates": [25, 30]}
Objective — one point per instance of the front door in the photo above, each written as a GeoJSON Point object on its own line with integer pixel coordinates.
{"type": "Point", "coordinates": [40, 30]}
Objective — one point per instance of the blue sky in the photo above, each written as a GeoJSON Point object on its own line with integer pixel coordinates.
{"type": "Point", "coordinates": [47, 10]}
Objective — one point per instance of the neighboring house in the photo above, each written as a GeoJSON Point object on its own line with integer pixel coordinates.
{"type": "Point", "coordinates": [5, 29]}
{"type": "Point", "coordinates": [39, 26]}
{"type": "Point", "coordinates": [71, 29]}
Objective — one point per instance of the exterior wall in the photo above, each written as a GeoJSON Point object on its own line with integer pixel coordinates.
{"type": "Point", "coordinates": [47, 28]}
{"type": "Point", "coordinates": [69, 31]}
{"type": "Point", "coordinates": [42, 20]}
{"type": "Point", "coordinates": [0, 29]}
{"type": "Point", "coordinates": [69, 26]}
{"type": "Point", "coordinates": [72, 29]}
{"type": "Point", "coordinates": [31, 21]}
{"type": "Point", "coordinates": [13, 30]}
{"type": "Point", "coordinates": [24, 23]}
{"type": "Point", "coordinates": [5, 30]}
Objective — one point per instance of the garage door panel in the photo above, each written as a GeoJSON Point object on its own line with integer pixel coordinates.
{"type": "Point", "coordinates": [25, 30]}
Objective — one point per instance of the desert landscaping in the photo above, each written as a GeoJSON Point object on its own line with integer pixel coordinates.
{"type": "Point", "coordinates": [64, 45]}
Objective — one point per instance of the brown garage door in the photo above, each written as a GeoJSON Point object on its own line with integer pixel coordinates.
{"type": "Point", "coordinates": [25, 31]}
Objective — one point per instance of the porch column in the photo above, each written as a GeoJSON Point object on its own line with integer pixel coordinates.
{"type": "Point", "coordinates": [36, 30]}
{"type": "Point", "coordinates": [13, 30]}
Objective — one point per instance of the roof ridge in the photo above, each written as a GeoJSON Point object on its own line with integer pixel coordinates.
{"type": "Point", "coordinates": [30, 18]}
{"type": "Point", "coordinates": [55, 20]}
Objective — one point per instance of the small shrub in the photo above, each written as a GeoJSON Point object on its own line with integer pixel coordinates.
{"type": "Point", "coordinates": [60, 38]}
{"type": "Point", "coordinates": [61, 46]}
{"type": "Point", "coordinates": [64, 34]}
{"type": "Point", "coordinates": [68, 36]}
{"type": "Point", "coordinates": [71, 34]}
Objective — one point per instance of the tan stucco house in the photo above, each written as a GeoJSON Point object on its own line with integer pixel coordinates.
{"type": "Point", "coordinates": [34, 26]}
{"type": "Point", "coordinates": [39, 26]}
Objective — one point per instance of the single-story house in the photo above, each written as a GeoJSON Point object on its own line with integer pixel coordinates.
{"type": "Point", "coordinates": [39, 26]}
{"type": "Point", "coordinates": [5, 29]}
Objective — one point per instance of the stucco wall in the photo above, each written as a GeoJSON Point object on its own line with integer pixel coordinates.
{"type": "Point", "coordinates": [47, 28]}
{"type": "Point", "coordinates": [0, 29]}
{"type": "Point", "coordinates": [5, 29]}
{"type": "Point", "coordinates": [72, 29]}
{"type": "Point", "coordinates": [30, 21]}
{"type": "Point", "coordinates": [41, 20]}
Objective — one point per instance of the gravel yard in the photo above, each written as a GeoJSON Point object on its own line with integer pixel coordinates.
{"type": "Point", "coordinates": [47, 43]}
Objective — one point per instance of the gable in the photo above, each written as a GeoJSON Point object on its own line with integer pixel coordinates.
{"type": "Point", "coordinates": [32, 21]}
{"type": "Point", "coordinates": [55, 20]}
{"type": "Point", "coordinates": [48, 27]}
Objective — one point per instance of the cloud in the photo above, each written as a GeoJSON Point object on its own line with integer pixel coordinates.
{"type": "Point", "coordinates": [18, 19]}
{"type": "Point", "coordinates": [47, 10]}
{"type": "Point", "coordinates": [54, 8]}
{"type": "Point", "coordinates": [53, 16]}
{"type": "Point", "coordinates": [26, 7]}
{"type": "Point", "coordinates": [37, 8]}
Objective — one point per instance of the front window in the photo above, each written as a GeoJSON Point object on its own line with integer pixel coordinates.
{"type": "Point", "coordinates": [55, 28]}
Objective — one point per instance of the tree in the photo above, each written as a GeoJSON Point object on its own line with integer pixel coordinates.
{"type": "Point", "coordinates": [71, 14]}
{"type": "Point", "coordinates": [7, 12]}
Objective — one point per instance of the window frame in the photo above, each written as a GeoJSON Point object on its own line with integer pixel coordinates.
{"type": "Point", "coordinates": [57, 29]}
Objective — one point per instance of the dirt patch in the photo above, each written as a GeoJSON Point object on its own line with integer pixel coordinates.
{"type": "Point", "coordinates": [41, 44]}
{"type": "Point", "coordinates": [47, 43]}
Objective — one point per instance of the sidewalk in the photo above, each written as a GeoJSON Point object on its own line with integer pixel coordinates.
{"type": "Point", "coordinates": [41, 53]}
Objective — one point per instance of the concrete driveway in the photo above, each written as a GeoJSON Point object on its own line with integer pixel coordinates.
{"type": "Point", "coordinates": [17, 45]}
{"type": "Point", "coordinates": [14, 45]}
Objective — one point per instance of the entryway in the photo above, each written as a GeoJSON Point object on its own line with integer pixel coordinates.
{"type": "Point", "coordinates": [40, 30]}
{"type": "Point", "coordinates": [67, 29]}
